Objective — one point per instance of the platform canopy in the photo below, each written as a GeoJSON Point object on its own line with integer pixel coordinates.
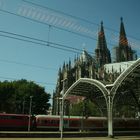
{"type": "Point", "coordinates": [91, 89]}
{"type": "Point", "coordinates": [126, 88]}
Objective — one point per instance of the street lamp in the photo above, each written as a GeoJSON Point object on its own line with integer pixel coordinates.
{"type": "Point", "coordinates": [30, 111]}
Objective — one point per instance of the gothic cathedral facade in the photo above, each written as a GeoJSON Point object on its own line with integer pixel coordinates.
{"type": "Point", "coordinates": [87, 66]}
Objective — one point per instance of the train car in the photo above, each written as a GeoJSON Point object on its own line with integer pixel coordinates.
{"type": "Point", "coordinates": [14, 121]}
{"type": "Point", "coordinates": [45, 122]}
{"type": "Point", "coordinates": [126, 123]}
{"type": "Point", "coordinates": [95, 123]}
{"type": "Point", "coordinates": [49, 122]}
{"type": "Point", "coordinates": [132, 124]}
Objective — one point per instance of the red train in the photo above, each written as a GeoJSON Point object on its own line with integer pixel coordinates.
{"type": "Point", "coordinates": [70, 123]}
{"type": "Point", "coordinates": [50, 122]}
{"type": "Point", "coordinates": [91, 123]}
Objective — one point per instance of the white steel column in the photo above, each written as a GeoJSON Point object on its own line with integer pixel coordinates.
{"type": "Point", "coordinates": [61, 118]}
{"type": "Point", "coordinates": [30, 112]}
{"type": "Point", "coordinates": [110, 118]}
{"type": "Point", "coordinates": [62, 109]}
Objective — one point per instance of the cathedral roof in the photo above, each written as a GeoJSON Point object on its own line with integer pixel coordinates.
{"type": "Point", "coordinates": [117, 67]}
{"type": "Point", "coordinates": [85, 57]}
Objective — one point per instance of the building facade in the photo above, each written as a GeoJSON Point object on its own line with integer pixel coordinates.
{"type": "Point", "coordinates": [98, 67]}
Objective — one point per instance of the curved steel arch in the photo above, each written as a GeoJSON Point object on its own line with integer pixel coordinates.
{"type": "Point", "coordinates": [94, 82]}
{"type": "Point", "coordinates": [123, 76]}
{"type": "Point", "coordinates": [103, 90]}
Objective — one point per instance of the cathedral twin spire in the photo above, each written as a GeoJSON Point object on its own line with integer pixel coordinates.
{"type": "Point", "coordinates": [123, 50]}
{"type": "Point", "coordinates": [102, 53]}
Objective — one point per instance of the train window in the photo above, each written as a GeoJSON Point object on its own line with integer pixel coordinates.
{"type": "Point", "coordinates": [54, 121]}
{"type": "Point", "coordinates": [26, 118]}
{"type": "Point", "coordinates": [13, 117]}
{"type": "Point", "coordinates": [38, 121]}
{"type": "Point", "coordinates": [5, 117]}
{"type": "Point", "coordinates": [57, 121]}
{"type": "Point", "coordinates": [1, 117]}
{"type": "Point", "coordinates": [51, 121]}
{"type": "Point", "coordinates": [17, 117]}
{"type": "Point", "coordinates": [45, 121]}
{"type": "Point", "coordinates": [65, 121]}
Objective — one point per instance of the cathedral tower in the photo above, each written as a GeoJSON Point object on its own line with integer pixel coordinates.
{"type": "Point", "coordinates": [123, 51]}
{"type": "Point", "coordinates": [102, 53]}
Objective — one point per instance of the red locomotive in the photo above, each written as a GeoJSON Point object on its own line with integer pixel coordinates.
{"type": "Point", "coordinates": [15, 121]}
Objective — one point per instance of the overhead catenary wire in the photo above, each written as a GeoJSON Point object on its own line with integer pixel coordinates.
{"type": "Point", "coordinates": [83, 35]}
{"type": "Point", "coordinates": [57, 11]}
{"type": "Point", "coordinates": [79, 34]}
{"type": "Point", "coordinates": [75, 17]}
{"type": "Point", "coordinates": [66, 48]}
{"type": "Point", "coordinates": [79, 18]}
{"type": "Point", "coordinates": [40, 42]}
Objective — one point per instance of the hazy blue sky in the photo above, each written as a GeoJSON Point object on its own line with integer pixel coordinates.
{"type": "Point", "coordinates": [32, 59]}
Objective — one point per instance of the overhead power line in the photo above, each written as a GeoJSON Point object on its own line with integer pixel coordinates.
{"type": "Point", "coordinates": [77, 33]}
{"type": "Point", "coordinates": [63, 13]}
{"type": "Point", "coordinates": [75, 17]}
{"type": "Point", "coordinates": [60, 28]}
{"type": "Point", "coordinates": [40, 42]}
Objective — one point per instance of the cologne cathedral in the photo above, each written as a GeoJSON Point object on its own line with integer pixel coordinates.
{"type": "Point", "coordinates": [99, 67]}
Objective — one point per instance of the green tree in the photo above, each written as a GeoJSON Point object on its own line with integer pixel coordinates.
{"type": "Point", "coordinates": [125, 111]}
{"type": "Point", "coordinates": [15, 97]}
{"type": "Point", "coordinates": [7, 97]}
{"type": "Point", "coordinates": [76, 109]}
{"type": "Point", "coordinates": [85, 108]}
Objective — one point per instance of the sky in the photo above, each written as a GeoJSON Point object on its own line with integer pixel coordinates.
{"type": "Point", "coordinates": [38, 36]}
